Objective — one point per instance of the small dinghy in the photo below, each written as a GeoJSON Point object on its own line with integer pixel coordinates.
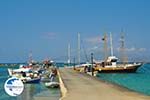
{"type": "Point", "coordinates": [52, 84]}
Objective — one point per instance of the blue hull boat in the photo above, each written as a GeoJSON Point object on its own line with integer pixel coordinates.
{"type": "Point", "coordinates": [35, 80]}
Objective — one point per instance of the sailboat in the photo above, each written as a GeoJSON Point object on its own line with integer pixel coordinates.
{"type": "Point", "coordinates": [109, 65]}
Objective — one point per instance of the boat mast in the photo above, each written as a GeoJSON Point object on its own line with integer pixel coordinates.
{"type": "Point", "coordinates": [69, 54]}
{"type": "Point", "coordinates": [105, 46]}
{"type": "Point", "coordinates": [30, 57]}
{"type": "Point", "coordinates": [122, 49]}
{"type": "Point", "coordinates": [111, 44]}
{"type": "Point", "coordinates": [79, 48]}
{"type": "Point", "coordinates": [84, 51]}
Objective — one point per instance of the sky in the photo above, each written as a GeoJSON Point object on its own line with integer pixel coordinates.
{"type": "Point", "coordinates": [45, 27]}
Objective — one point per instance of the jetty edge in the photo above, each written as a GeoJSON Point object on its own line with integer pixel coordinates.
{"type": "Point", "coordinates": [81, 86]}
{"type": "Point", "coordinates": [63, 89]}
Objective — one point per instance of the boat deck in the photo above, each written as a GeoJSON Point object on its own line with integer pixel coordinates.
{"type": "Point", "coordinates": [82, 86]}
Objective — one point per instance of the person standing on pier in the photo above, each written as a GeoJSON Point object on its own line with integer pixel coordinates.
{"type": "Point", "coordinates": [53, 74]}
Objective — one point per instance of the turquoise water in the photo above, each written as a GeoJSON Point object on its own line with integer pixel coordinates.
{"type": "Point", "coordinates": [139, 81]}
{"type": "Point", "coordinates": [31, 91]}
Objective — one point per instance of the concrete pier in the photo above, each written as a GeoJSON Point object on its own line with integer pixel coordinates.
{"type": "Point", "coordinates": [80, 86]}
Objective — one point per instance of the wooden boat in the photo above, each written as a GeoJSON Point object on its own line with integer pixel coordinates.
{"type": "Point", "coordinates": [25, 74]}
{"type": "Point", "coordinates": [109, 65]}
{"type": "Point", "coordinates": [22, 68]}
{"type": "Point", "coordinates": [113, 67]}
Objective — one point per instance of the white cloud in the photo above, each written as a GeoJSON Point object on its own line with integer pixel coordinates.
{"type": "Point", "coordinates": [133, 49]}
{"type": "Point", "coordinates": [93, 40]}
{"type": "Point", "coordinates": [142, 49]}
{"type": "Point", "coordinates": [49, 35]}
{"type": "Point", "coordinates": [95, 49]}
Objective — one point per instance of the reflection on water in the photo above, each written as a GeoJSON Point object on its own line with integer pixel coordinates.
{"type": "Point", "coordinates": [36, 91]}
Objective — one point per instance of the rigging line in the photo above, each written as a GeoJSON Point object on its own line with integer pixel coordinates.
{"type": "Point", "coordinates": [84, 51]}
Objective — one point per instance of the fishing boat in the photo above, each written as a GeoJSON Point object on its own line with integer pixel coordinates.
{"type": "Point", "coordinates": [30, 80]}
{"type": "Point", "coordinates": [25, 73]}
{"type": "Point", "coordinates": [110, 65]}
{"type": "Point", "coordinates": [22, 68]}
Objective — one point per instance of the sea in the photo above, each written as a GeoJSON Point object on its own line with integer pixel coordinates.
{"type": "Point", "coordinates": [30, 92]}
{"type": "Point", "coordinates": [138, 82]}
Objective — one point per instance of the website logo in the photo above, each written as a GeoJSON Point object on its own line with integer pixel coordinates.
{"type": "Point", "coordinates": [14, 86]}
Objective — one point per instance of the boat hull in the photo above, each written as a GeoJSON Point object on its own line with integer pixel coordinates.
{"type": "Point", "coordinates": [130, 69]}
{"type": "Point", "coordinates": [37, 80]}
